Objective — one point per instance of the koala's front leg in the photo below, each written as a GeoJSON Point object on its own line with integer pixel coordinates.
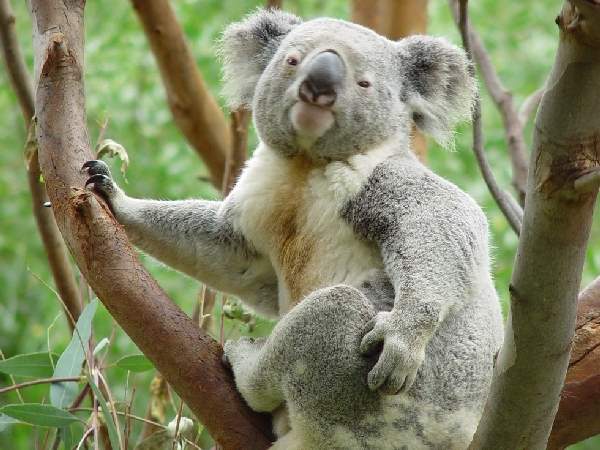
{"type": "Point", "coordinates": [193, 236]}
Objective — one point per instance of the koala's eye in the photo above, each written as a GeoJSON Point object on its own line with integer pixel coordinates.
{"type": "Point", "coordinates": [292, 61]}
{"type": "Point", "coordinates": [364, 84]}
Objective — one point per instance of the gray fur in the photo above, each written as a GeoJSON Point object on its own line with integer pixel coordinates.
{"type": "Point", "coordinates": [421, 321]}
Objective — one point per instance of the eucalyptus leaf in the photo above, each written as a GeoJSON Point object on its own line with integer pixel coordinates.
{"type": "Point", "coordinates": [70, 362]}
{"type": "Point", "coordinates": [135, 363]}
{"type": "Point", "coordinates": [39, 414]}
{"type": "Point", "coordinates": [36, 365]}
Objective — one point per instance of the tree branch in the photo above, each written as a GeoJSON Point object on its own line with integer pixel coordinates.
{"type": "Point", "coordinates": [504, 101]}
{"type": "Point", "coordinates": [507, 205]}
{"type": "Point", "coordinates": [395, 20]}
{"type": "Point", "coordinates": [188, 359]}
{"type": "Point", "coordinates": [194, 109]}
{"type": "Point", "coordinates": [533, 362]}
{"type": "Point", "coordinates": [58, 259]}
{"type": "Point", "coordinates": [577, 417]}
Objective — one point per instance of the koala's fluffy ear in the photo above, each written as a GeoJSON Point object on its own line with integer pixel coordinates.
{"type": "Point", "coordinates": [246, 48]}
{"type": "Point", "coordinates": [437, 84]}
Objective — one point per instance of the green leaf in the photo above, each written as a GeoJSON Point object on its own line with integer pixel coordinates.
{"type": "Point", "coordinates": [70, 362]}
{"type": "Point", "coordinates": [37, 365]}
{"type": "Point", "coordinates": [113, 436]}
{"type": "Point", "coordinates": [39, 414]}
{"type": "Point", "coordinates": [135, 363]}
{"type": "Point", "coordinates": [6, 421]}
{"type": "Point", "coordinates": [67, 438]}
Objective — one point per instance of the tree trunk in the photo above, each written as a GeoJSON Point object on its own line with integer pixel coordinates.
{"type": "Point", "coordinates": [533, 362]}
{"type": "Point", "coordinates": [188, 359]}
{"type": "Point", "coordinates": [395, 19]}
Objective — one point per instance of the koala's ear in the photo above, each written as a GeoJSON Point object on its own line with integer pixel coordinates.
{"type": "Point", "coordinates": [438, 84]}
{"type": "Point", "coordinates": [246, 48]}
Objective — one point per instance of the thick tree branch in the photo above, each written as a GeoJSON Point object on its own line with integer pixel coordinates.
{"type": "Point", "coordinates": [577, 417]}
{"type": "Point", "coordinates": [507, 205]}
{"type": "Point", "coordinates": [395, 20]}
{"type": "Point", "coordinates": [184, 354]}
{"type": "Point", "coordinates": [194, 109]}
{"type": "Point", "coordinates": [533, 362]}
{"type": "Point", "coordinates": [58, 259]}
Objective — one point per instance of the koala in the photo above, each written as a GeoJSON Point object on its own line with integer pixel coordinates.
{"type": "Point", "coordinates": [377, 268]}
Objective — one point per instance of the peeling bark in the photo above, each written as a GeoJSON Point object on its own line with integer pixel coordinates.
{"type": "Point", "coordinates": [532, 364]}
{"type": "Point", "coordinates": [188, 359]}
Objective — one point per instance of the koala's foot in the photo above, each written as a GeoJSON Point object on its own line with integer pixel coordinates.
{"type": "Point", "coordinates": [100, 180]}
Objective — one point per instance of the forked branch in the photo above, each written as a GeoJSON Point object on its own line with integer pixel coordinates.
{"type": "Point", "coordinates": [188, 359]}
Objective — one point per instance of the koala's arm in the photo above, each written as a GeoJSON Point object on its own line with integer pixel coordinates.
{"type": "Point", "coordinates": [193, 236]}
{"type": "Point", "coordinates": [433, 241]}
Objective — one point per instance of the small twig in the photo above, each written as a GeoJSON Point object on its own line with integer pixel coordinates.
{"type": "Point", "coordinates": [504, 101]}
{"type": "Point", "coordinates": [39, 381]}
{"type": "Point", "coordinates": [127, 431]}
{"type": "Point", "coordinates": [112, 405]}
{"type": "Point", "coordinates": [507, 206]}
{"type": "Point", "coordinates": [85, 436]}
{"type": "Point", "coordinates": [177, 423]}
{"type": "Point", "coordinates": [121, 413]}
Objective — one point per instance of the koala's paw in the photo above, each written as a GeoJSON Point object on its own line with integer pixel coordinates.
{"type": "Point", "coordinates": [244, 349]}
{"type": "Point", "coordinates": [100, 179]}
{"type": "Point", "coordinates": [400, 358]}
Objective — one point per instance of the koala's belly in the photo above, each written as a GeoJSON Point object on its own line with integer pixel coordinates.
{"type": "Point", "coordinates": [290, 211]}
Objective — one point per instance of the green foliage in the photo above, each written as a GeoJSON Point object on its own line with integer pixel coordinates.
{"type": "Point", "coordinates": [70, 362]}
{"type": "Point", "coordinates": [135, 363]}
{"type": "Point", "coordinates": [39, 414]}
{"type": "Point", "coordinates": [36, 365]}
{"type": "Point", "coordinates": [123, 86]}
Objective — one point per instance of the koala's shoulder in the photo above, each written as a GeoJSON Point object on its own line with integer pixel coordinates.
{"type": "Point", "coordinates": [401, 189]}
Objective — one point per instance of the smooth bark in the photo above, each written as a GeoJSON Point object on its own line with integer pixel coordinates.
{"type": "Point", "coordinates": [195, 111]}
{"type": "Point", "coordinates": [532, 364]}
{"type": "Point", "coordinates": [188, 359]}
{"type": "Point", "coordinates": [61, 268]}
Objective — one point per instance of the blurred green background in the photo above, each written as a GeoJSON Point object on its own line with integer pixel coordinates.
{"type": "Point", "coordinates": [123, 85]}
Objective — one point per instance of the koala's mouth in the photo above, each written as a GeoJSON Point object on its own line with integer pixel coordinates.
{"type": "Point", "coordinates": [311, 121]}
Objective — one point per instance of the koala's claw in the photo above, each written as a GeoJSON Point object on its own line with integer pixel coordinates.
{"type": "Point", "coordinates": [102, 184]}
{"type": "Point", "coordinates": [399, 360]}
{"type": "Point", "coordinates": [95, 167]}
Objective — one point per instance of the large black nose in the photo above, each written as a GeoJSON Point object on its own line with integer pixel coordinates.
{"type": "Point", "coordinates": [325, 74]}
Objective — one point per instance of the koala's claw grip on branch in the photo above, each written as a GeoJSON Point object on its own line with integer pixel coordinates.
{"type": "Point", "coordinates": [100, 179]}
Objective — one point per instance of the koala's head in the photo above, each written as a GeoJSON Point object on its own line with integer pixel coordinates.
{"type": "Point", "coordinates": [331, 89]}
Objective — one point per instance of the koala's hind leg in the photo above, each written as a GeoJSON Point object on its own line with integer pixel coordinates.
{"type": "Point", "coordinates": [312, 362]}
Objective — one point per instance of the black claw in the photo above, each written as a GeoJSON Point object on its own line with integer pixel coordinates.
{"type": "Point", "coordinates": [99, 180]}
{"type": "Point", "coordinates": [95, 167]}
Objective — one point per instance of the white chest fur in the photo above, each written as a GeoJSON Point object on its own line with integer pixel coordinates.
{"type": "Point", "coordinates": [289, 209]}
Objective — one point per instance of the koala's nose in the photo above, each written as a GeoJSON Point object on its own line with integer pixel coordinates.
{"type": "Point", "coordinates": [325, 74]}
